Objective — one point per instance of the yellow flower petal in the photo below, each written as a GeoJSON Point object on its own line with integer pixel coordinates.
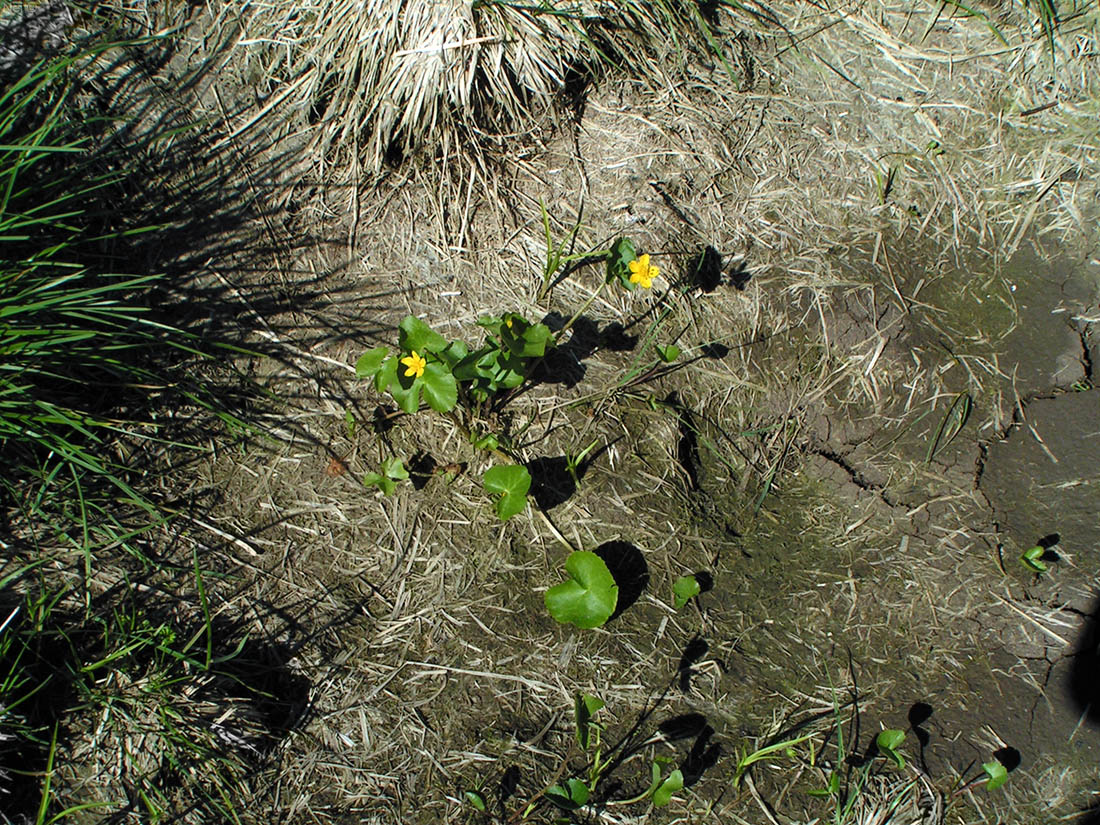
{"type": "Point", "coordinates": [415, 365]}
{"type": "Point", "coordinates": [642, 273]}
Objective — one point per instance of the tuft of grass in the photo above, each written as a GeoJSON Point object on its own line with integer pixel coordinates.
{"type": "Point", "coordinates": [389, 76]}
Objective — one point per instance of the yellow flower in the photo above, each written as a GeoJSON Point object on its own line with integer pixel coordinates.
{"type": "Point", "coordinates": [642, 273]}
{"type": "Point", "coordinates": [415, 365]}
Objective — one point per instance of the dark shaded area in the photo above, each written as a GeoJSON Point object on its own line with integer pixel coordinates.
{"type": "Point", "coordinates": [695, 650]}
{"type": "Point", "coordinates": [421, 468]}
{"type": "Point", "coordinates": [509, 783]}
{"type": "Point", "coordinates": [703, 756]}
{"type": "Point", "coordinates": [629, 569]}
{"type": "Point", "coordinates": [563, 364]}
{"type": "Point", "coordinates": [1084, 674]}
{"type": "Point", "coordinates": [551, 481]}
{"type": "Point", "coordinates": [1009, 757]}
{"type": "Point", "coordinates": [687, 448]}
{"type": "Point", "coordinates": [920, 713]}
{"type": "Point", "coordinates": [707, 272]}
{"type": "Point", "coordinates": [248, 696]}
{"type": "Point", "coordinates": [705, 269]}
{"type": "Point", "coordinates": [705, 579]}
{"type": "Point", "coordinates": [684, 726]}
{"type": "Point", "coordinates": [715, 351]}
{"type": "Point", "coordinates": [1089, 816]}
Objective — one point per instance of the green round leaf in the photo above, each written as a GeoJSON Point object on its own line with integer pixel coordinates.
{"type": "Point", "coordinates": [511, 483]}
{"type": "Point", "coordinates": [407, 398]}
{"type": "Point", "coordinates": [684, 589]}
{"type": "Point", "coordinates": [997, 773]}
{"type": "Point", "coordinates": [439, 387]}
{"type": "Point", "coordinates": [588, 598]}
{"type": "Point", "coordinates": [370, 362]}
{"type": "Point", "coordinates": [387, 374]}
{"type": "Point", "coordinates": [414, 334]}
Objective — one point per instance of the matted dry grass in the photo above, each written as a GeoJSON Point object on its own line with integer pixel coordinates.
{"type": "Point", "coordinates": [851, 156]}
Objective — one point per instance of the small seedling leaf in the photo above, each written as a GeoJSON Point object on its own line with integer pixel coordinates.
{"type": "Point", "coordinates": [569, 795]}
{"type": "Point", "coordinates": [684, 589]}
{"type": "Point", "coordinates": [510, 482]}
{"type": "Point", "coordinates": [589, 597]}
{"type": "Point", "coordinates": [888, 741]}
{"type": "Point", "coordinates": [414, 334]}
{"type": "Point", "coordinates": [663, 793]}
{"type": "Point", "coordinates": [669, 353]}
{"type": "Point", "coordinates": [370, 362]}
{"type": "Point", "coordinates": [394, 468]}
{"type": "Point", "coordinates": [387, 485]}
{"type": "Point", "coordinates": [997, 773]}
{"type": "Point", "coordinates": [585, 707]}
{"type": "Point", "coordinates": [1032, 559]}
{"type": "Point", "coordinates": [440, 387]}
{"type": "Point", "coordinates": [477, 800]}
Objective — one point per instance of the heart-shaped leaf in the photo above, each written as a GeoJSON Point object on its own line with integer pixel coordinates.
{"type": "Point", "coordinates": [888, 742]}
{"type": "Point", "coordinates": [588, 598]}
{"type": "Point", "coordinates": [510, 482]}
{"type": "Point", "coordinates": [439, 387]}
{"type": "Point", "coordinates": [997, 773]}
{"type": "Point", "coordinates": [662, 794]}
{"type": "Point", "coordinates": [568, 796]}
{"type": "Point", "coordinates": [414, 334]}
{"type": "Point", "coordinates": [684, 589]}
{"type": "Point", "coordinates": [370, 362]}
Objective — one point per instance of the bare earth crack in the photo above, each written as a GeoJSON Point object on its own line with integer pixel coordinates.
{"type": "Point", "coordinates": [855, 475]}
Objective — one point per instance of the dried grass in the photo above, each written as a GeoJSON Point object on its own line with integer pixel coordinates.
{"type": "Point", "coordinates": [432, 661]}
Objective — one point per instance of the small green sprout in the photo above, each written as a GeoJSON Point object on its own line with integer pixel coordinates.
{"type": "Point", "coordinates": [509, 483]}
{"type": "Point", "coordinates": [668, 353]}
{"type": "Point", "coordinates": [477, 800]}
{"type": "Point", "coordinates": [1032, 559]}
{"type": "Point", "coordinates": [590, 595]}
{"type": "Point", "coordinates": [662, 790]}
{"type": "Point", "coordinates": [392, 471]}
{"type": "Point", "coordinates": [585, 707]}
{"type": "Point", "coordinates": [569, 795]}
{"type": "Point", "coordinates": [888, 742]}
{"type": "Point", "coordinates": [684, 589]}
